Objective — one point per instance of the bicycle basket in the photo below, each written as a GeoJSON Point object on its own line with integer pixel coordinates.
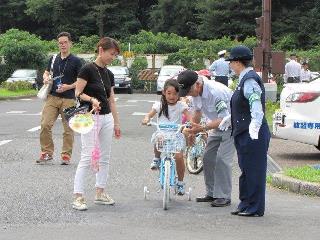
{"type": "Point", "coordinates": [169, 142]}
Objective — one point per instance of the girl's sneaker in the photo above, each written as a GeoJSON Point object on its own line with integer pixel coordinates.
{"type": "Point", "coordinates": [155, 164]}
{"type": "Point", "coordinates": [104, 199]}
{"type": "Point", "coordinates": [180, 188]}
{"type": "Point", "coordinates": [80, 204]}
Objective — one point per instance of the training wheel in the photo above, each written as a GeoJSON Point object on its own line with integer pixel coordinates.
{"type": "Point", "coordinates": [189, 193]}
{"type": "Point", "coordinates": [145, 192]}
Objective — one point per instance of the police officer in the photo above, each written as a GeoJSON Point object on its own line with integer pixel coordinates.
{"type": "Point", "coordinates": [213, 100]}
{"type": "Point", "coordinates": [220, 68]}
{"type": "Point", "coordinates": [251, 133]}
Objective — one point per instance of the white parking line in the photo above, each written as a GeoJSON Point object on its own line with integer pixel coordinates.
{"type": "Point", "coordinates": [139, 114]}
{"type": "Point", "coordinates": [21, 113]}
{"type": "Point", "coordinates": [135, 101]}
{"type": "Point", "coordinates": [4, 142]}
{"type": "Point", "coordinates": [126, 105]}
{"type": "Point", "coordinates": [34, 129]}
{"type": "Point", "coordinates": [15, 112]}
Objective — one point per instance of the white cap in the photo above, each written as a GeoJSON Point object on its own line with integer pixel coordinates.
{"type": "Point", "coordinates": [222, 52]}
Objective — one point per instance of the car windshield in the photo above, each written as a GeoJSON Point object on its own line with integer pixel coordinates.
{"type": "Point", "coordinates": [169, 71]}
{"type": "Point", "coordinates": [24, 73]}
{"type": "Point", "coordinates": [119, 70]}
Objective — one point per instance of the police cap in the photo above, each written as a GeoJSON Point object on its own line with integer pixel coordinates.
{"type": "Point", "coordinates": [240, 53]}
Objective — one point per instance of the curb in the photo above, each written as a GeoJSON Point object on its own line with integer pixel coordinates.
{"type": "Point", "coordinates": [16, 97]}
{"type": "Point", "coordinates": [295, 185]}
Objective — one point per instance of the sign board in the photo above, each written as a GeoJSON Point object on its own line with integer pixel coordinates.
{"type": "Point", "coordinates": [278, 61]}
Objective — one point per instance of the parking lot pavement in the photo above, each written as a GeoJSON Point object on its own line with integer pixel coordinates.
{"type": "Point", "coordinates": [36, 200]}
{"type": "Point", "coordinates": [292, 154]}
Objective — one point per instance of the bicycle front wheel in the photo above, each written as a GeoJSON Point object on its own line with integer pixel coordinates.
{"type": "Point", "coordinates": [194, 162]}
{"type": "Point", "coordinates": [166, 185]}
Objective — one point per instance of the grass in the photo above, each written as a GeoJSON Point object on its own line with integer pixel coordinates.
{"type": "Point", "coordinates": [305, 173]}
{"type": "Point", "coordinates": [270, 109]}
{"type": "Point", "coordinates": [269, 179]}
{"type": "Point", "coordinates": [5, 93]}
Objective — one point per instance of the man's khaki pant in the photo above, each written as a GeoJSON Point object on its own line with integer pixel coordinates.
{"type": "Point", "coordinates": [51, 110]}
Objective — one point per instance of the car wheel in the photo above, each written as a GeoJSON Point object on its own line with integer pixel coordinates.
{"type": "Point", "coordinates": [130, 90]}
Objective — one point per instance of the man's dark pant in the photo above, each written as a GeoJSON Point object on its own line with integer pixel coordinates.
{"type": "Point", "coordinates": [222, 79]}
{"type": "Point", "coordinates": [293, 80]}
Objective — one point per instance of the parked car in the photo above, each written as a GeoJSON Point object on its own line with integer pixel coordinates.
{"type": "Point", "coordinates": [29, 75]}
{"type": "Point", "coordinates": [298, 118]}
{"type": "Point", "coordinates": [121, 78]}
{"type": "Point", "coordinates": [166, 72]}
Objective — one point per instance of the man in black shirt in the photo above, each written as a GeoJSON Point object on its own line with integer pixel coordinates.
{"type": "Point", "coordinates": [63, 68]}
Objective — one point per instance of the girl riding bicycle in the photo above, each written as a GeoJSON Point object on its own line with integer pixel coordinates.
{"type": "Point", "coordinates": [169, 110]}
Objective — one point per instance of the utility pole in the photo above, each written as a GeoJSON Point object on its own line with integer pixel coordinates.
{"type": "Point", "coordinates": [264, 58]}
{"type": "Point", "coordinates": [266, 39]}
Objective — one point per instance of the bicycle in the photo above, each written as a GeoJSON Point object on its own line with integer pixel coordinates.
{"type": "Point", "coordinates": [194, 153]}
{"type": "Point", "coordinates": [169, 140]}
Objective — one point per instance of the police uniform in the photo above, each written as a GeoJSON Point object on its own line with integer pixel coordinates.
{"type": "Point", "coordinates": [220, 68]}
{"type": "Point", "coordinates": [251, 136]}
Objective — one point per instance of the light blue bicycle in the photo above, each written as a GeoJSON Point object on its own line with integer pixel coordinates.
{"type": "Point", "coordinates": [168, 140]}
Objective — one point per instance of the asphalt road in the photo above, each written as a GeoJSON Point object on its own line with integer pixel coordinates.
{"type": "Point", "coordinates": [35, 201]}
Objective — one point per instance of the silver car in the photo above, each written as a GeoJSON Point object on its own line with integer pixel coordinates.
{"type": "Point", "coordinates": [28, 75]}
{"type": "Point", "coordinates": [121, 78]}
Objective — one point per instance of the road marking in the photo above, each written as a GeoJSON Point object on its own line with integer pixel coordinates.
{"type": "Point", "coordinates": [25, 99]}
{"type": "Point", "coordinates": [4, 142]}
{"type": "Point", "coordinates": [126, 105]}
{"type": "Point", "coordinates": [135, 101]}
{"type": "Point", "coordinates": [34, 129]}
{"type": "Point", "coordinates": [14, 112]}
{"type": "Point", "coordinates": [139, 114]}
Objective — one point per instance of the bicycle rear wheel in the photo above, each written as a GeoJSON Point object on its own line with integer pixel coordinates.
{"type": "Point", "coordinates": [166, 185]}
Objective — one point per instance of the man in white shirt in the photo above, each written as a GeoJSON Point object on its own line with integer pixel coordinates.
{"type": "Point", "coordinates": [292, 70]}
{"type": "Point", "coordinates": [213, 100]}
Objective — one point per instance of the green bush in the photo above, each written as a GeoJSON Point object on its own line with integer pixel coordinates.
{"type": "Point", "coordinates": [287, 42]}
{"type": "Point", "coordinates": [22, 50]}
{"type": "Point", "coordinates": [86, 44]}
{"type": "Point", "coordinates": [190, 60]}
{"type": "Point", "coordinates": [15, 86]}
{"type": "Point", "coordinates": [5, 72]}
{"type": "Point", "coordinates": [138, 64]}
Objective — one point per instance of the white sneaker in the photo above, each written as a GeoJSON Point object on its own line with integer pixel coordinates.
{"type": "Point", "coordinates": [80, 204]}
{"type": "Point", "coordinates": [104, 199]}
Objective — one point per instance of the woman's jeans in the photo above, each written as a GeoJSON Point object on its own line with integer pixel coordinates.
{"type": "Point", "coordinates": [104, 127]}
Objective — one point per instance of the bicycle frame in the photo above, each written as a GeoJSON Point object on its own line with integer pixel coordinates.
{"type": "Point", "coordinates": [172, 171]}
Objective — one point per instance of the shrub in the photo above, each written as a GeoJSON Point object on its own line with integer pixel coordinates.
{"type": "Point", "coordinates": [15, 86]}
{"type": "Point", "coordinates": [87, 44]}
{"type": "Point", "coordinates": [138, 64]}
{"type": "Point", "coordinates": [22, 50]}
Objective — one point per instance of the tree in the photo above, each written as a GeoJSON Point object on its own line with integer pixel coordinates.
{"type": "Point", "coordinates": [175, 16]}
{"type": "Point", "coordinates": [231, 18]}
{"type": "Point", "coordinates": [22, 50]}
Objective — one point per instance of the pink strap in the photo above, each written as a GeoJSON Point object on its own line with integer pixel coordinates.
{"type": "Point", "coordinates": [95, 155]}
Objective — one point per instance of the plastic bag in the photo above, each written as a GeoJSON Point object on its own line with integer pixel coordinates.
{"type": "Point", "coordinates": [44, 91]}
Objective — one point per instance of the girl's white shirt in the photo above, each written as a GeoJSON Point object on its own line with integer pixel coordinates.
{"type": "Point", "coordinates": [175, 112]}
